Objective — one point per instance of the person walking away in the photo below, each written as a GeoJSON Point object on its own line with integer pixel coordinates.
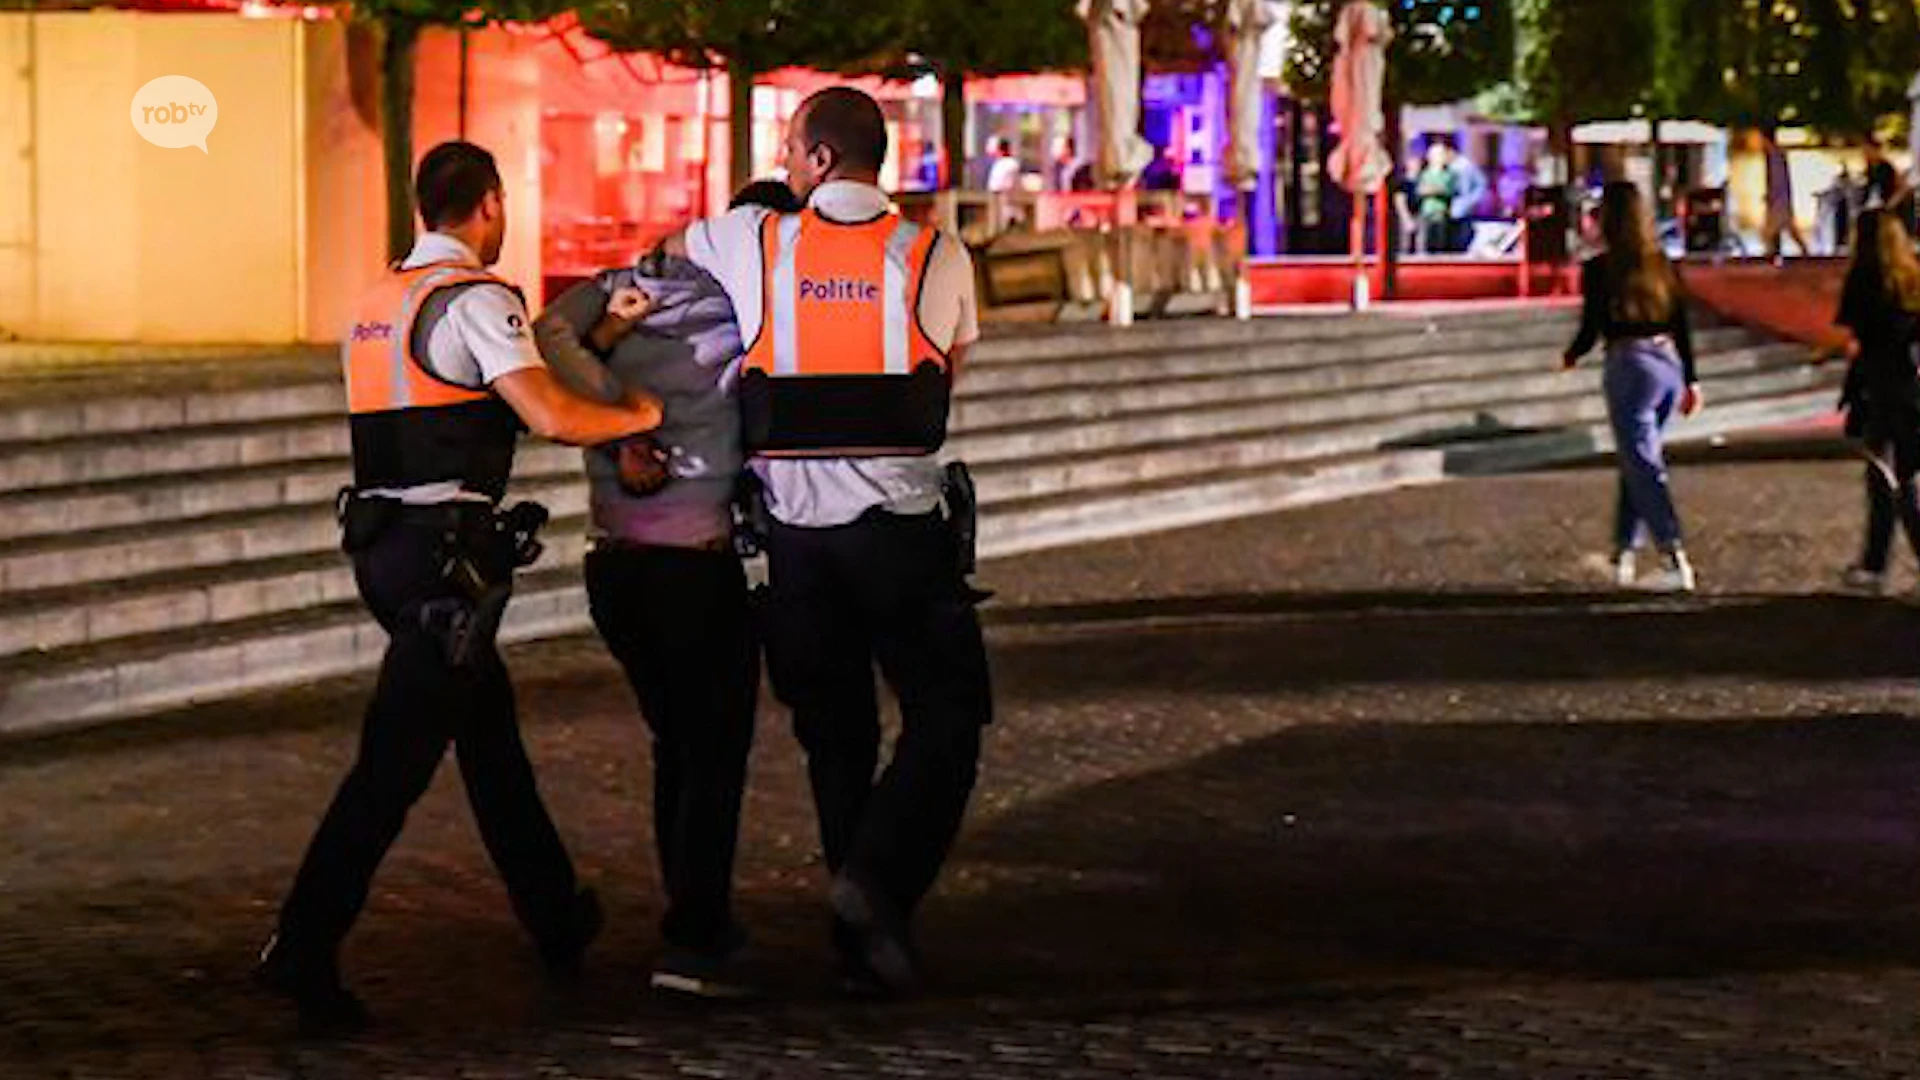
{"type": "Point", "coordinates": [1469, 190]}
{"type": "Point", "coordinates": [1879, 302]}
{"type": "Point", "coordinates": [1780, 219]}
{"type": "Point", "coordinates": [441, 373]}
{"type": "Point", "coordinates": [666, 591]}
{"type": "Point", "coordinates": [1632, 299]}
{"type": "Point", "coordinates": [858, 321]}
{"type": "Point", "coordinates": [1435, 190]}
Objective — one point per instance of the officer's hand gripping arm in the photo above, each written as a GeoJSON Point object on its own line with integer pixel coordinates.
{"type": "Point", "coordinates": [553, 412]}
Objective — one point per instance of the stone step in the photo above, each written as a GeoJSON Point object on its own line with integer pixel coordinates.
{"type": "Point", "coordinates": [194, 601]}
{"type": "Point", "coordinates": [157, 500]}
{"type": "Point", "coordinates": [137, 392]}
{"type": "Point", "coordinates": [167, 671]}
{"type": "Point", "coordinates": [141, 549]}
{"type": "Point", "coordinates": [223, 540]}
{"type": "Point", "coordinates": [1576, 401]}
{"type": "Point", "coordinates": [234, 587]}
{"type": "Point", "coordinates": [162, 671]}
{"type": "Point", "coordinates": [1056, 343]}
{"type": "Point", "coordinates": [1157, 503]}
{"type": "Point", "coordinates": [126, 438]}
{"type": "Point", "coordinates": [1546, 338]}
{"type": "Point", "coordinates": [1247, 414]}
{"type": "Point", "coordinates": [1100, 400]}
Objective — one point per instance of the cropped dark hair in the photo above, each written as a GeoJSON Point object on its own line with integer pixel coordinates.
{"type": "Point", "coordinates": [850, 122]}
{"type": "Point", "coordinates": [452, 180]}
{"type": "Point", "coordinates": [771, 194]}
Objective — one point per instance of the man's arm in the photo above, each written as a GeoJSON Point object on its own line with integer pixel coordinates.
{"type": "Point", "coordinates": [560, 334]}
{"type": "Point", "coordinates": [551, 411]}
{"type": "Point", "coordinates": [492, 323]}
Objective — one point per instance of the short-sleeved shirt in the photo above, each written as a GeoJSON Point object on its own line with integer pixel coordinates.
{"type": "Point", "coordinates": [483, 336]}
{"type": "Point", "coordinates": [819, 493]}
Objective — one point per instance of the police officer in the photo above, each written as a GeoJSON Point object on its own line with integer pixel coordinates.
{"type": "Point", "coordinates": [857, 321]}
{"type": "Point", "coordinates": [441, 374]}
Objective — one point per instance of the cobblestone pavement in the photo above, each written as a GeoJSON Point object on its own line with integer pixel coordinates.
{"type": "Point", "coordinates": [1378, 789]}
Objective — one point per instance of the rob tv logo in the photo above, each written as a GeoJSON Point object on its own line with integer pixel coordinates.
{"type": "Point", "coordinates": [174, 111]}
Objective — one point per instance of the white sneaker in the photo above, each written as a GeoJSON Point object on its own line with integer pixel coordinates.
{"type": "Point", "coordinates": [1624, 570]}
{"type": "Point", "coordinates": [1859, 579]}
{"type": "Point", "coordinates": [1675, 577]}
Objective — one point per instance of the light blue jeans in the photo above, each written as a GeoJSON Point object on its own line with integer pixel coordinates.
{"type": "Point", "coordinates": [1644, 383]}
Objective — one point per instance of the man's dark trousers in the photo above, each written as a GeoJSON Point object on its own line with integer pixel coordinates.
{"type": "Point", "coordinates": [681, 624]}
{"type": "Point", "coordinates": [420, 705]}
{"type": "Point", "coordinates": [886, 589]}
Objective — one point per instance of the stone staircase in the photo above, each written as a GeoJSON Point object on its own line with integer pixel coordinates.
{"type": "Point", "coordinates": [166, 546]}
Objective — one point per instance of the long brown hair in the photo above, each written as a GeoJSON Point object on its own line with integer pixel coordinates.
{"type": "Point", "coordinates": [1884, 261]}
{"type": "Point", "coordinates": [1644, 284]}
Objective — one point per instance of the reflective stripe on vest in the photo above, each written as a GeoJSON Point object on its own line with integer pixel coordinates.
{"type": "Point", "coordinates": [377, 358]}
{"type": "Point", "coordinates": [842, 299]}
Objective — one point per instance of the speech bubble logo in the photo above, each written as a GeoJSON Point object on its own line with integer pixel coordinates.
{"type": "Point", "coordinates": [174, 111]}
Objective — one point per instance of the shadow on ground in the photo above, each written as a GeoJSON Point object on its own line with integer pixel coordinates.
{"type": "Point", "coordinates": [1337, 858]}
{"type": "Point", "coordinates": [1253, 643]}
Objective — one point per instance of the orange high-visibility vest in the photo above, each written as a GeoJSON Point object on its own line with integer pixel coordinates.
{"type": "Point", "coordinates": [841, 366]}
{"type": "Point", "coordinates": [409, 425]}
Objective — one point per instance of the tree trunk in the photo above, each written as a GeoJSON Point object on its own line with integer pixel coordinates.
{"type": "Point", "coordinates": [1560, 145]}
{"type": "Point", "coordinates": [740, 76]}
{"type": "Point", "coordinates": [953, 128]}
{"type": "Point", "coordinates": [1390, 239]}
{"type": "Point", "coordinates": [1662, 204]}
{"type": "Point", "coordinates": [396, 126]}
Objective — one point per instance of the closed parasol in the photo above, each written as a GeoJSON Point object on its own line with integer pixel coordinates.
{"type": "Point", "coordinates": [1113, 30]}
{"type": "Point", "coordinates": [1246, 23]}
{"type": "Point", "coordinates": [1360, 162]}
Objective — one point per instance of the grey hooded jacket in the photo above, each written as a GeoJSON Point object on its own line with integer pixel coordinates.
{"type": "Point", "coordinates": [686, 351]}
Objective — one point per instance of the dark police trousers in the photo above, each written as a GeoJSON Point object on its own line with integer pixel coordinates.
{"type": "Point", "coordinates": [680, 623]}
{"type": "Point", "coordinates": [420, 705]}
{"type": "Point", "coordinates": [884, 589]}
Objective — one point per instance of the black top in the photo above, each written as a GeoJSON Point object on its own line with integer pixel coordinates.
{"type": "Point", "coordinates": [1885, 371]}
{"type": "Point", "coordinates": [1597, 321]}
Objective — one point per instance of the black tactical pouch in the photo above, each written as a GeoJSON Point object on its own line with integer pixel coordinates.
{"type": "Point", "coordinates": [752, 523]}
{"type": "Point", "coordinates": [362, 521]}
{"type": "Point", "coordinates": [963, 514]}
{"type": "Point", "coordinates": [481, 553]}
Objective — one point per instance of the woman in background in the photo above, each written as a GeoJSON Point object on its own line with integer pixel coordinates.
{"type": "Point", "coordinates": [1632, 300]}
{"type": "Point", "coordinates": [1882, 397]}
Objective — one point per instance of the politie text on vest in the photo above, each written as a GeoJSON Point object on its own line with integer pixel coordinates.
{"type": "Point", "coordinates": [842, 289]}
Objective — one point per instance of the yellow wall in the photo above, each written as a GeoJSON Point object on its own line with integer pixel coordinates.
{"type": "Point", "coordinates": [132, 242]}
{"type": "Point", "coordinates": [269, 236]}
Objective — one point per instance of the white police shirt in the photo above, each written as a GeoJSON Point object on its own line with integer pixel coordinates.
{"type": "Point", "coordinates": [483, 336]}
{"type": "Point", "coordinates": [819, 493]}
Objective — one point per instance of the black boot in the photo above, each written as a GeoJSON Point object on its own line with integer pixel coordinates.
{"type": "Point", "coordinates": [311, 980]}
{"type": "Point", "coordinates": [563, 949]}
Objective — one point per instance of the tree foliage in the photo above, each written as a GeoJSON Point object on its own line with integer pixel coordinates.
{"type": "Point", "coordinates": [951, 41]}
{"type": "Point", "coordinates": [747, 38]}
{"type": "Point", "coordinates": [401, 22]}
{"type": "Point", "coordinates": [1833, 65]}
{"type": "Point", "coordinates": [1443, 50]}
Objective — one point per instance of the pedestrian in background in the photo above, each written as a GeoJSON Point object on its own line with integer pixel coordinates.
{"type": "Point", "coordinates": [1435, 191]}
{"type": "Point", "coordinates": [1780, 218]}
{"type": "Point", "coordinates": [1632, 300]}
{"type": "Point", "coordinates": [1878, 310]}
{"type": "Point", "coordinates": [1469, 190]}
